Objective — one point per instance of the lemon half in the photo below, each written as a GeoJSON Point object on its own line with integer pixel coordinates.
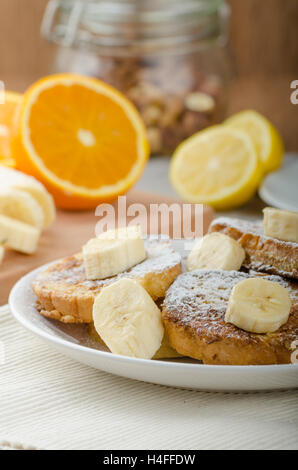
{"type": "Point", "coordinates": [267, 140]}
{"type": "Point", "coordinates": [218, 166]}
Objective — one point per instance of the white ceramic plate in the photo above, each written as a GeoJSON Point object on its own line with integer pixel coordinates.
{"type": "Point", "coordinates": [280, 189]}
{"type": "Point", "coordinates": [74, 341]}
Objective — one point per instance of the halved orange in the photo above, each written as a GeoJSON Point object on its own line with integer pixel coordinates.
{"type": "Point", "coordinates": [8, 109]}
{"type": "Point", "coordinates": [82, 138]}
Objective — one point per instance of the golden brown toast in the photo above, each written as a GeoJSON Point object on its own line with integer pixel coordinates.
{"type": "Point", "coordinates": [63, 292]}
{"type": "Point", "coordinates": [264, 254]}
{"type": "Point", "coordinates": [193, 314]}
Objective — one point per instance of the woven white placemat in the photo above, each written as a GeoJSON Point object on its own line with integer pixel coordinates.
{"type": "Point", "coordinates": [48, 401]}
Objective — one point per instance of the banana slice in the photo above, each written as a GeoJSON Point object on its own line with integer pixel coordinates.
{"type": "Point", "coordinates": [164, 352]}
{"type": "Point", "coordinates": [216, 251]}
{"type": "Point", "coordinates": [1, 253]}
{"type": "Point", "coordinates": [21, 206]}
{"type": "Point", "coordinates": [16, 179]}
{"type": "Point", "coordinates": [113, 252]}
{"type": "Point", "coordinates": [280, 224]}
{"type": "Point", "coordinates": [128, 320]}
{"type": "Point", "coordinates": [258, 306]}
{"type": "Point", "coordinates": [45, 200]}
{"type": "Point", "coordinates": [17, 235]}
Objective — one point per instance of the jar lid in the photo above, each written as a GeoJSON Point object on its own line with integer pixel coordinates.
{"type": "Point", "coordinates": [138, 25]}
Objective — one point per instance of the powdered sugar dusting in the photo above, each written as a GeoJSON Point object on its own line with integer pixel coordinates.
{"type": "Point", "coordinates": [160, 257]}
{"type": "Point", "coordinates": [246, 226]}
{"type": "Point", "coordinates": [262, 267]}
{"type": "Point", "coordinates": [199, 300]}
{"type": "Point", "coordinates": [204, 289]}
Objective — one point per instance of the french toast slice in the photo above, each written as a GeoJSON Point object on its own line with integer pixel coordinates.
{"type": "Point", "coordinates": [63, 292]}
{"type": "Point", "coordinates": [263, 254]}
{"type": "Point", "coordinates": [193, 314]}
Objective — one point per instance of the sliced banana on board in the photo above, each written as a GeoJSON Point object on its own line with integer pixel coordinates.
{"type": "Point", "coordinates": [281, 224]}
{"type": "Point", "coordinates": [113, 252]}
{"type": "Point", "coordinates": [18, 235]}
{"type": "Point", "coordinates": [21, 206]}
{"type": "Point", "coordinates": [258, 306]}
{"type": "Point", "coordinates": [216, 251]}
{"type": "Point", "coordinates": [45, 200]}
{"type": "Point", "coordinates": [128, 320]}
{"type": "Point", "coordinates": [15, 179]}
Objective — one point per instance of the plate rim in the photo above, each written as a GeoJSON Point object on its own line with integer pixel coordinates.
{"type": "Point", "coordinates": [290, 158]}
{"type": "Point", "coordinates": [158, 364]}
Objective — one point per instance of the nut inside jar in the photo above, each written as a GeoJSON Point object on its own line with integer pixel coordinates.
{"type": "Point", "coordinates": [175, 98]}
{"type": "Point", "coordinates": [167, 56]}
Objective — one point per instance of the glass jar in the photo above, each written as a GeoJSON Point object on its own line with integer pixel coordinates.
{"type": "Point", "coordinates": [168, 56]}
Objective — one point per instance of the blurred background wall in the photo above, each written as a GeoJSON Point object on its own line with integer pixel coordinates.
{"type": "Point", "coordinates": [263, 42]}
